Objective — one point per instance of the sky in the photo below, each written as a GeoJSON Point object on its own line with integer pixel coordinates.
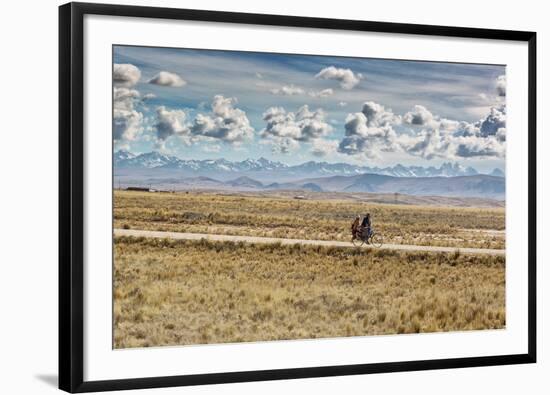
{"type": "Point", "coordinates": [206, 104]}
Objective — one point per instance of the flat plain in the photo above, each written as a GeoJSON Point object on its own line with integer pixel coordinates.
{"type": "Point", "coordinates": [316, 219]}
{"type": "Point", "coordinates": [191, 292]}
{"type": "Point", "coordinates": [178, 292]}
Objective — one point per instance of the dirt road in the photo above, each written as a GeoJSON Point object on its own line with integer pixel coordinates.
{"type": "Point", "coordinates": [254, 239]}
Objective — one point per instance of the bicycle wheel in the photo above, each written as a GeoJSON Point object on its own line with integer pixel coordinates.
{"type": "Point", "coordinates": [357, 242]}
{"type": "Point", "coordinates": [376, 240]}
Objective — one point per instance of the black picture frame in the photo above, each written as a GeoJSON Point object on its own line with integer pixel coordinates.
{"type": "Point", "coordinates": [71, 172]}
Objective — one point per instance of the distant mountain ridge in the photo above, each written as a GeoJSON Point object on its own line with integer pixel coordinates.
{"type": "Point", "coordinates": [479, 185]}
{"type": "Point", "coordinates": [156, 160]}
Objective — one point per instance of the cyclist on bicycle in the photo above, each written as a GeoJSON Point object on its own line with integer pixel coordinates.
{"type": "Point", "coordinates": [366, 226]}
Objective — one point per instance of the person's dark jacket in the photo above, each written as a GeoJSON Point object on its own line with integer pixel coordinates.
{"type": "Point", "coordinates": [366, 222]}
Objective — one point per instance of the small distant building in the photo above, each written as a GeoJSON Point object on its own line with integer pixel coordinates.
{"type": "Point", "coordinates": [300, 197]}
{"type": "Point", "coordinates": [139, 189]}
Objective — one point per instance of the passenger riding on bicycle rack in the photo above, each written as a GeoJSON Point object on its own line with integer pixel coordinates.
{"type": "Point", "coordinates": [355, 227]}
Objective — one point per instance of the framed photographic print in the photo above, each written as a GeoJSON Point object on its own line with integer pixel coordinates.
{"type": "Point", "coordinates": [259, 197]}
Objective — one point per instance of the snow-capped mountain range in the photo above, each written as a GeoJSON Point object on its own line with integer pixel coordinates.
{"type": "Point", "coordinates": [156, 160]}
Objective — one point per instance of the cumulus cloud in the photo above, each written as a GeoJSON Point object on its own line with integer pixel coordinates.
{"type": "Point", "coordinates": [345, 77]}
{"type": "Point", "coordinates": [368, 138]}
{"type": "Point", "coordinates": [322, 93]}
{"type": "Point", "coordinates": [126, 75]}
{"type": "Point", "coordinates": [501, 85]}
{"type": "Point", "coordinates": [303, 125]}
{"type": "Point", "coordinates": [285, 130]}
{"type": "Point", "coordinates": [127, 124]}
{"type": "Point", "coordinates": [451, 139]}
{"type": "Point", "coordinates": [371, 132]}
{"type": "Point", "coordinates": [125, 98]}
{"type": "Point", "coordinates": [493, 122]}
{"type": "Point", "coordinates": [226, 122]}
{"type": "Point", "coordinates": [169, 123]}
{"type": "Point", "coordinates": [287, 90]}
{"type": "Point", "coordinates": [165, 78]}
{"type": "Point", "coordinates": [378, 116]}
{"type": "Point", "coordinates": [127, 121]}
{"type": "Point", "coordinates": [342, 104]}
{"type": "Point", "coordinates": [468, 147]}
{"type": "Point", "coordinates": [419, 116]}
{"type": "Point", "coordinates": [428, 144]}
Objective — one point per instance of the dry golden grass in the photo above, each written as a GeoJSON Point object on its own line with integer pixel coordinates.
{"type": "Point", "coordinates": [170, 292]}
{"type": "Point", "coordinates": [307, 219]}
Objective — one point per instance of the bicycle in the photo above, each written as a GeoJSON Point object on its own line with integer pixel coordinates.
{"type": "Point", "coordinates": [373, 239]}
